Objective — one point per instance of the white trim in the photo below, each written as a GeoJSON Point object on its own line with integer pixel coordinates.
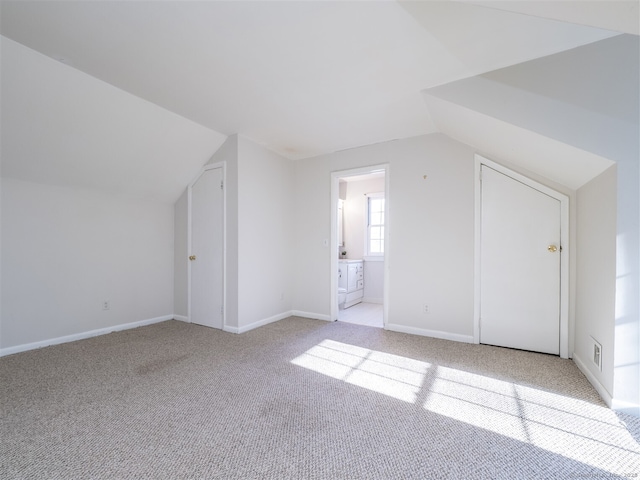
{"type": "Point", "coordinates": [182, 318]}
{"type": "Point", "coordinates": [604, 394]}
{"type": "Point", "coordinates": [476, 250]}
{"type": "Point", "coordinates": [335, 176]}
{"type": "Point", "coordinates": [81, 336]}
{"type": "Point", "coordinates": [229, 329]}
{"type": "Point", "coordinates": [207, 167]}
{"type": "Point", "coordinates": [259, 323]}
{"type": "Point", "coordinates": [564, 242]}
{"type": "Point", "coordinates": [370, 258]}
{"type": "Point", "coordinates": [626, 407]}
{"type": "Point", "coordinates": [311, 315]}
{"type": "Point", "coordinates": [455, 337]}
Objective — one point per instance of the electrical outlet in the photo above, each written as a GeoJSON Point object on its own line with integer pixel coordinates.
{"type": "Point", "coordinates": [106, 305]}
{"type": "Point", "coordinates": [425, 308]}
{"type": "Point", "coordinates": [597, 354]}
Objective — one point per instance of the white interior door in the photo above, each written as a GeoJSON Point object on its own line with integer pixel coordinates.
{"type": "Point", "coordinates": [519, 265]}
{"type": "Point", "coordinates": [206, 249]}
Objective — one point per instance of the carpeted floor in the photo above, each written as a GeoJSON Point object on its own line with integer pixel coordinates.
{"type": "Point", "coordinates": [302, 399]}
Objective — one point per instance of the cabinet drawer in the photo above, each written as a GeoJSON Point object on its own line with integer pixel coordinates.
{"type": "Point", "coordinates": [360, 267]}
{"type": "Point", "coordinates": [360, 275]}
{"type": "Point", "coordinates": [360, 284]}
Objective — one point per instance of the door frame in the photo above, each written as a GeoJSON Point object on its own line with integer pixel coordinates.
{"type": "Point", "coordinates": [564, 243]}
{"type": "Point", "coordinates": [212, 166]}
{"type": "Point", "coordinates": [335, 177]}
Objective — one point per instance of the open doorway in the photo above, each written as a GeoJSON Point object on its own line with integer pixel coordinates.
{"type": "Point", "coordinates": [359, 245]}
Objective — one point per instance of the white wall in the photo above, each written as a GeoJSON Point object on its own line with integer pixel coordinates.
{"type": "Point", "coordinates": [180, 257]}
{"type": "Point", "coordinates": [596, 272]}
{"type": "Point", "coordinates": [312, 226]}
{"type": "Point", "coordinates": [265, 234]}
{"type": "Point", "coordinates": [66, 250]}
{"type": "Point", "coordinates": [89, 173]}
{"type": "Point", "coordinates": [430, 227]}
{"type": "Point", "coordinates": [259, 219]}
{"type": "Point", "coordinates": [228, 154]}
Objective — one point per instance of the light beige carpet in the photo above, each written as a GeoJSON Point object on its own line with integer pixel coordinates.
{"type": "Point", "coordinates": [302, 399]}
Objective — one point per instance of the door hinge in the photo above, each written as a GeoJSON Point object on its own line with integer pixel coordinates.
{"type": "Point", "coordinates": [221, 309]}
{"type": "Point", "coordinates": [480, 175]}
{"type": "Point", "coordinates": [221, 184]}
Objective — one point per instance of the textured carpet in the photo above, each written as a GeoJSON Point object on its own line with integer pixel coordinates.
{"type": "Point", "coordinates": [303, 399]}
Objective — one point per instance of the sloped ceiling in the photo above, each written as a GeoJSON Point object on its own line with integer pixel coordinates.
{"type": "Point", "coordinates": [567, 116]}
{"type": "Point", "coordinates": [62, 127]}
{"type": "Point", "coordinates": [301, 78]}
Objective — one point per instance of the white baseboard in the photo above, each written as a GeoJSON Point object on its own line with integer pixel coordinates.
{"type": "Point", "coordinates": [626, 407]}
{"type": "Point", "coordinates": [314, 316]}
{"type": "Point", "coordinates": [604, 394]}
{"type": "Point", "coordinates": [259, 323]}
{"type": "Point", "coordinates": [456, 337]}
{"type": "Point", "coordinates": [182, 318]}
{"type": "Point", "coordinates": [80, 336]}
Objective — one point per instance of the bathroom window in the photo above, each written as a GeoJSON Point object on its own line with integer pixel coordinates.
{"type": "Point", "coordinates": [375, 224]}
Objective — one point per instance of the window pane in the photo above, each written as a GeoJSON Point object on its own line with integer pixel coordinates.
{"type": "Point", "coordinates": [376, 225]}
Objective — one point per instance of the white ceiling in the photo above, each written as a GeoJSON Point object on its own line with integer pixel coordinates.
{"type": "Point", "coordinates": [616, 15]}
{"type": "Point", "coordinates": [302, 78]}
{"type": "Point", "coordinates": [566, 116]}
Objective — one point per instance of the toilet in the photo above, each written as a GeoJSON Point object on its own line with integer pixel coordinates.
{"type": "Point", "coordinates": [342, 287]}
{"type": "Point", "coordinates": [342, 297]}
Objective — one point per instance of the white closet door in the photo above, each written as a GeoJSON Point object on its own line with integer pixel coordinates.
{"type": "Point", "coordinates": [520, 265]}
{"type": "Point", "coordinates": [206, 252]}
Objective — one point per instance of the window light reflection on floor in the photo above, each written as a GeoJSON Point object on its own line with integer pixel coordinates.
{"type": "Point", "coordinates": [392, 375]}
{"type": "Point", "coordinates": [573, 428]}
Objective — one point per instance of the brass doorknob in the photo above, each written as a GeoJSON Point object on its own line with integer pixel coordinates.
{"type": "Point", "coordinates": [192, 257]}
{"type": "Point", "coordinates": [552, 248]}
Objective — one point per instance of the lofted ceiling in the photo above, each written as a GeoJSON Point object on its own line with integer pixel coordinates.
{"type": "Point", "coordinates": [302, 77]}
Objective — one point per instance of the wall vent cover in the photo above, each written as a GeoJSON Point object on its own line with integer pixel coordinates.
{"type": "Point", "coordinates": [597, 354]}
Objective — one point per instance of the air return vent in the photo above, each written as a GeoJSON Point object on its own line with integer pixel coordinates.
{"type": "Point", "coordinates": [596, 354]}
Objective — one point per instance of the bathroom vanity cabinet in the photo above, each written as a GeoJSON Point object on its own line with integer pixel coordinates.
{"type": "Point", "coordinates": [354, 281]}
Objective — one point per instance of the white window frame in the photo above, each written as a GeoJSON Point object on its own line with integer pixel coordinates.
{"type": "Point", "coordinates": [367, 238]}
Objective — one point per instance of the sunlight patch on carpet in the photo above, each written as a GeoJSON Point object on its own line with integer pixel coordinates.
{"type": "Point", "coordinates": [391, 375]}
{"type": "Point", "coordinates": [566, 426]}
{"type": "Point", "coordinates": [569, 427]}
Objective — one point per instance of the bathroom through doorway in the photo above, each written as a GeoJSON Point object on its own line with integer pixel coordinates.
{"type": "Point", "coordinates": [360, 232]}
